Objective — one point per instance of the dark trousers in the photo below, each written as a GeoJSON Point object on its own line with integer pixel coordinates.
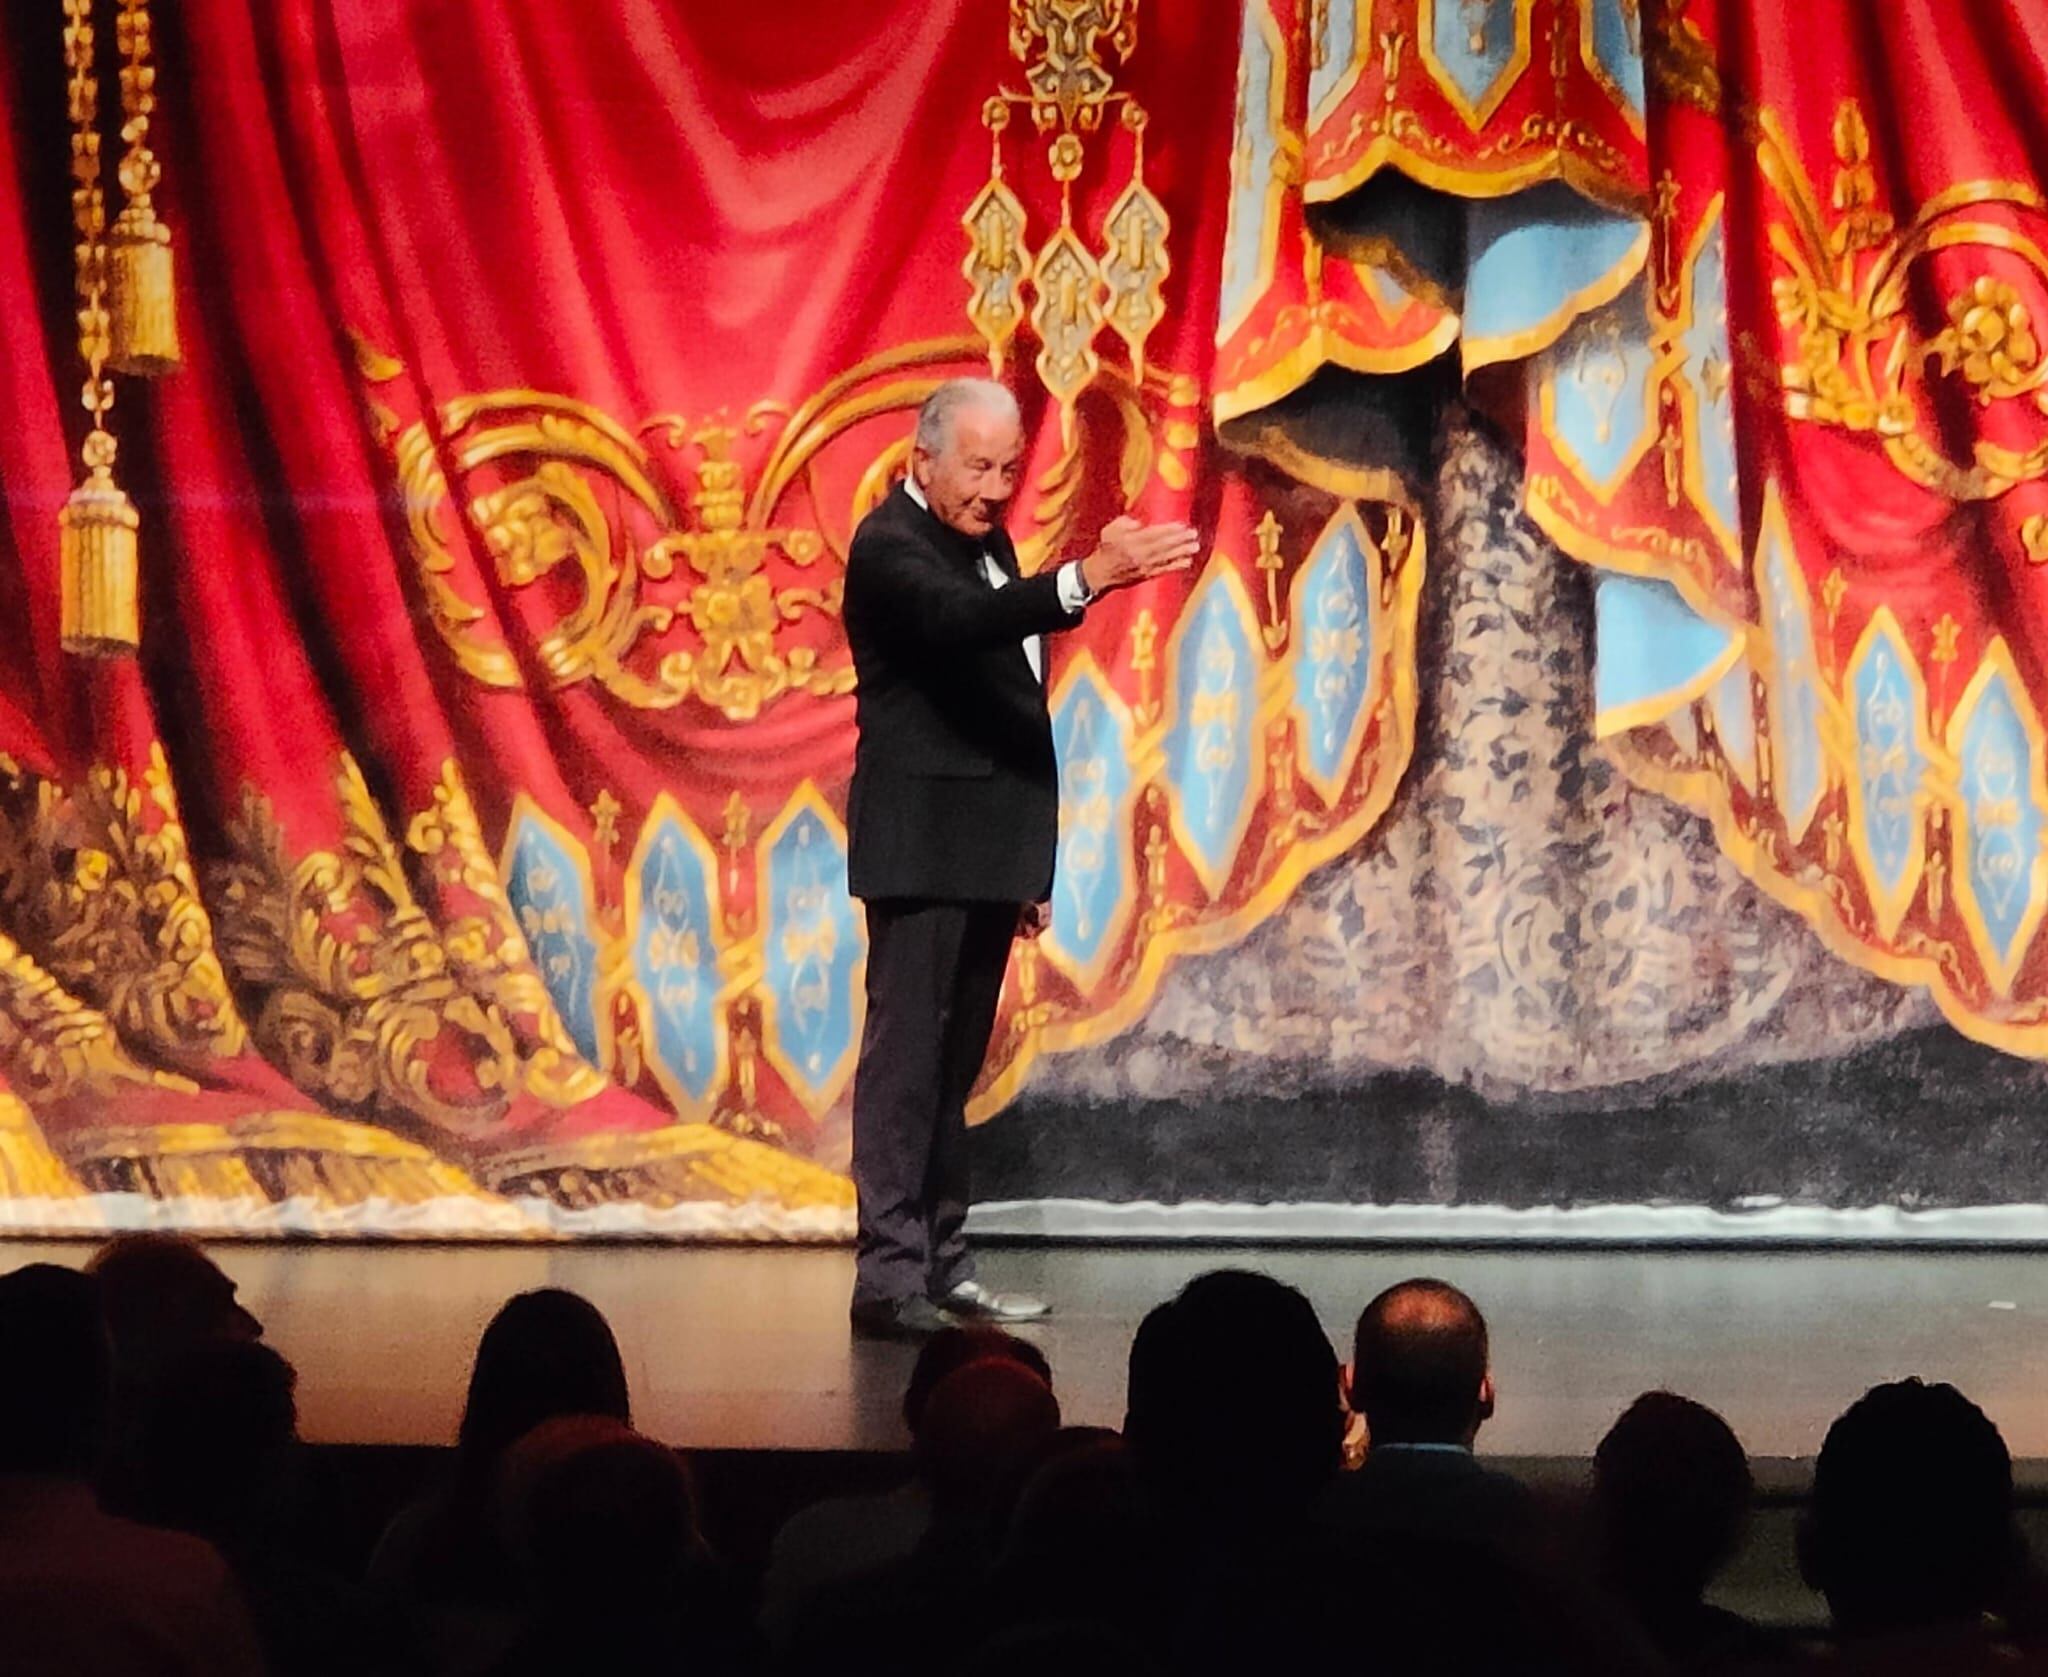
{"type": "Point", "coordinates": [935, 975]}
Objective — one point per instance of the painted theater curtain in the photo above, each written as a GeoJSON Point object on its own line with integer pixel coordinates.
{"type": "Point", "coordinates": [460, 848]}
{"type": "Point", "coordinates": [1760, 288]}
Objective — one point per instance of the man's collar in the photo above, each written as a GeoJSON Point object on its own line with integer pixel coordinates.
{"type": "Point", "coordinates": [911, 489]}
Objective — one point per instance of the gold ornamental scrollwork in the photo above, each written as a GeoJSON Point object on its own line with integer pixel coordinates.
{"type": "Point", "coordinates": [587, 525]}
{"type": "Point", "coordinates": [98, 879]}
{"type": "Point", "coordinates": [1860, 364]}
{"type": "Point", "coordinates": [363, 1000]}
{"type": "Point", "coordinates": [569, 506]}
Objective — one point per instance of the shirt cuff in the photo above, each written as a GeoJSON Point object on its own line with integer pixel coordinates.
{"type": "Point", "coordinates": [1074, 595]}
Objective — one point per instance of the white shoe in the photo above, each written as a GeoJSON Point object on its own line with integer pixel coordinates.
{"type": "Point", "coordinates": [972, 1302]}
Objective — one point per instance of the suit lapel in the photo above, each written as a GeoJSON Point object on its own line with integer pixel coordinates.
{"type": "Point", "coordinates": [967, 552]}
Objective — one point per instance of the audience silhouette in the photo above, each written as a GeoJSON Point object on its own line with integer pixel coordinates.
{"type": "Point", "coordinates": [842, 1537]}
{"type": "Point", "coordinates": [160, 1296]}
{"type": "Point", "coordinates": [1910, 1533]}
{"type": "Point", "coordinates": [1235, 1423]}
{"type": "Point", "coordinates": [1671, 1498]}
{"type": "Point", "coordinates": [1217, 1532]}
{"type": "Point", "coordinates": [603, 1527]}
{"type": "Point", "coordinates": [442, 1561]}
{"type": "Point", "coordinates": [219, 1456]}
{"type": "Point", "coordinates": [1421, 1376]}
{"type": "Point", "coordinates": [83, 1591]}
{"type": "Point", "coordinates": [981, 1430]}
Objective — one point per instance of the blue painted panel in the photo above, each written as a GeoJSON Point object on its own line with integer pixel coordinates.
{"type": "Point", "coordinates": [1889, 763]}
{"type": "Point", "coordinates": [547, 887]}
{"type": "Point", "coordinates": [1618, 48]}
{"type": "Point", "coordinates": [1333, 640]}
{"type": "Point", "coordinates": [1603, 411]}
{"type": "Point", "coordinates": [1340, 46]}
{"type": "Point", "coordinates": [1710, 370]}
{"type": "Point", "coordinates": [1733, 707]}
{"type": "Point", "coordinates": [1797, 745]}
{"type": "Point", "coordinates": [1092, 873]}
{"type": "Point", "coordinates": [1209, 743]}
{"type": "Point", "coordinates": [1533, 254]}
{"type": "Point", "coordinates": [813, 952]}
{"type": "Point", "coordinates": [1456, 26]}
{"type": "Point", "coordinates": [2005, 823]}
{"type": "Point", "coordinates": [675, 956]}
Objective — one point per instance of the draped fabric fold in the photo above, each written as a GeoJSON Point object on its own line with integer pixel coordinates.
{"type": "Point", "coordinates": [1781, 380]}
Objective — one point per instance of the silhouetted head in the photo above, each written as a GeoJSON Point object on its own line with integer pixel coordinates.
{"type": "Point", "coordinates": [956, 1347]}
{"type": "Point", "coordinates": [546, 1354]}
{"type": "Point", "coordinates": [1911, 1522]}
{"type": "Point", "coordinates": [53, 1399]}
{"type": "Point", "coordinates": [1671, 1488]}
{"type": "Point", "coordinates": [1232, 1403]}
{"type": "Point", "coordinates": [599, 1516]}
{"type": "Point", "coordinates": [162, 1295]}
{"type": "Point", "coordinates": [1083, 1543]}
{"type": "Point", "coordinates": [984, 1427]}
{"type": "Point", "coordinates": [1419, 1366]}
{"type": "Point", "coordinates": [215, 1432]}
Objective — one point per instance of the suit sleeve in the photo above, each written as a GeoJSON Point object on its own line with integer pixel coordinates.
{"type": "Point", "coordinates": [914, 599]}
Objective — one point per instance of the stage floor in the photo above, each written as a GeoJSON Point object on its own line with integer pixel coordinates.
{"type": "Point", "coordinates": [747, 1348]}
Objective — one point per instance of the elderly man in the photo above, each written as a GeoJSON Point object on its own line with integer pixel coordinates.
{"type": "Point", "coordinates": [952, 818]}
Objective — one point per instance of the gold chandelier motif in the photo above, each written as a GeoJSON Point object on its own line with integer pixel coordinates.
{"type": "Point", "coordinates": [1077, 288]}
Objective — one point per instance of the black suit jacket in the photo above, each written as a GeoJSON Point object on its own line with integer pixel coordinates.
{"type": "Point", "coordinates": [955, 792]}
{"type": "Point", "coordinates": [1443, 1495]}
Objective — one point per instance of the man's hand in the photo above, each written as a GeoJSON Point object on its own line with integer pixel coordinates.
{"type": "Point", "coordinates": [1132, 552]}
{"type": "Point", "coordinates": [1033, 919]}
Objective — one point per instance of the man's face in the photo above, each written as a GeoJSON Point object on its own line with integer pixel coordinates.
{"type": "Point", "coordinates": [970, 481]}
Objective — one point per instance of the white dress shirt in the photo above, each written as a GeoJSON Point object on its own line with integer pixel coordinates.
{"type": "Point", "coordinates": [1073, 592]}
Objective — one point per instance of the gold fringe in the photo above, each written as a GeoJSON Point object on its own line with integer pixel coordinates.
{"type": "Point", "coordinates": [275, 1156]}
{"type": "Point", "coordinates": [28, 1169]}
{"type": "Point", "coordinates": [668, 1167]}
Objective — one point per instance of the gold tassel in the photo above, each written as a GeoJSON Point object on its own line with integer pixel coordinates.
{"type": "Point", "coordinates": [141, 298]}
{"type": "Point", "coordinates": [143, 338]}
{"type": "Point", "coordinates": [99, 614]}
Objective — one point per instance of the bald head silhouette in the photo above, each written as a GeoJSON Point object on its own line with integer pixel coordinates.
{"type": "Point", "coordinates": [1419, 1371]}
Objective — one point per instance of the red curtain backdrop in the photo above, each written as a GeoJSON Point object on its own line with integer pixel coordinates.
{"type": "Point", "coordinates": [461, 851]}
{"type": "Point", "coordinates": [467, 829]}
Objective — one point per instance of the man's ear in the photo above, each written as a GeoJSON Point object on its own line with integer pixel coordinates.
{"type": "Point", "coordinates": [920, 467]}
{"type": "Point", "coordinates": [1486, 1396]}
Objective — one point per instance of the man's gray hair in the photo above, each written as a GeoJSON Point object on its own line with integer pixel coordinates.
{"type": "Point", "coordinates": [943, 405]}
